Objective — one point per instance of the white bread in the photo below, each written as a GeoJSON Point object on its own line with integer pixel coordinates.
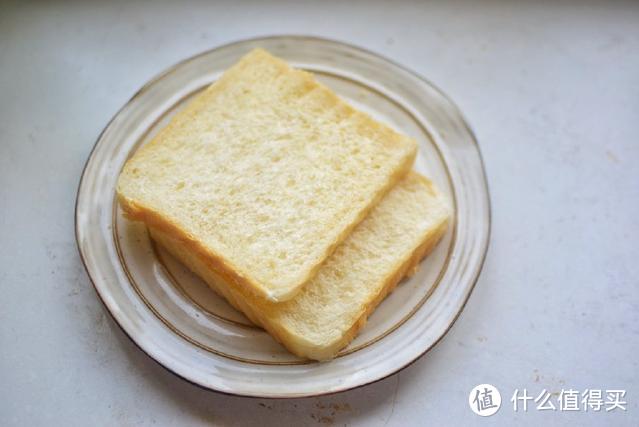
{"type": "Point", "coordinates": [330, 310]}
{"type": "Point", "coordinates": [263, 175]}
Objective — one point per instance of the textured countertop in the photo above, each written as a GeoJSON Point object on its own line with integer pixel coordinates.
{"type": "Point", "coordinates": [552, 92]}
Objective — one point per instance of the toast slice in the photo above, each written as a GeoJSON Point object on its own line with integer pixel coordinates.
{"type": "Point", "coordinates": [330, 310]}
{"type": "Point", "coordinates": [264, 174]}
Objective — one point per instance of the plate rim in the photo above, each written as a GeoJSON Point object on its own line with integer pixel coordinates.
{"type": "Point", "coordinates": [300, 37]}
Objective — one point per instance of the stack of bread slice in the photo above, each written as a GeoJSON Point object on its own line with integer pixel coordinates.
{"type": "Point", "coordinates": [298, 209]}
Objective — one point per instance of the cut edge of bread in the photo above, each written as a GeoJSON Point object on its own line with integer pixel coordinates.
{"type": "Point", "coordinates": [294, 343]}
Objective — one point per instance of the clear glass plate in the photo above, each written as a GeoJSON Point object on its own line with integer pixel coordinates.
{"type": "Point", "coordinates": [173, 316]}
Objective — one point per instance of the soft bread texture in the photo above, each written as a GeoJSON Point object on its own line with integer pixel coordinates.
{"type": "Point", "coordinates": [331, 309]}
{"type": "Point", "coordinates": [264, 174]}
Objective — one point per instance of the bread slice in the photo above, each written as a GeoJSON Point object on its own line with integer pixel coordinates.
{"type": "Point", "coordinates": [330, 310]}
{"type": "Point", "coordinates": [264, 174]}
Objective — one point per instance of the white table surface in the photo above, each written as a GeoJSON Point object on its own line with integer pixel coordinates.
{"type": "Point", "coordinates": [552, 92]}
